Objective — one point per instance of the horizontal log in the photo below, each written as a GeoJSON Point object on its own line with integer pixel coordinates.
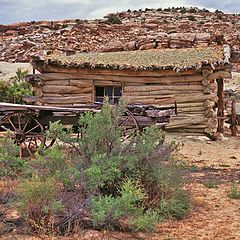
{"type": "Point", "coordinates": [219, 75]}
{"type": "Point", "coordinates": [190, 130]}
{"type": "Point", "coordinates": [209, 104]}
{"type": "Point", "coordinates": [38, 92]}
{"type": "Point", "coordinates": [48, 68]}
{"type": "Point", "coordinates": [57, 83]}
{"type": "Point", "coordinates": [121, 77]}
{"type": "Point", "coordinates": [67, 100]}
{"type": "Point", "coordinates": [166, 87]}
{"type": "Point", "coordinates": [107, 83]}
{"type": "Point", "coordinates": [179, 97]}
{"type": "Point", "coordinates": [62, 89]}
{"type": "Point", "coordinates": [161, 92]}
{"type": "Point", "coordinates": [175, 122]}
{"type": "Point", "coordinates": [81, 83]}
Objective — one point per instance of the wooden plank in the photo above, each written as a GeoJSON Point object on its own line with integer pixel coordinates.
{"type": "Point", "coordinates": [81, 83]}
{"type": "Point", "coordinates": [219, 75]}
{"type": "Point", "coordinates": [157, 88]}
{"type": "Point", "coordinates": [80, 108]}
{"type": "Point", "coordinates": [64, 89]}
{"type": "Point", "coordinates": [220, 105]}
{"type": "Point", "coordinates": [179, 98]}
{"type": "Point", "coordinates": [233, 119]}
{"type": "Point", "coordinates": [106, 83]}
{"type": "Point", "coordinates": [67, 100]}
{"type": "Point", "coordinates": [57, 83]}
{"type": "Point", "coordinates": [181, 79]}
{"type": "Point", "coordinates": [47, 68]}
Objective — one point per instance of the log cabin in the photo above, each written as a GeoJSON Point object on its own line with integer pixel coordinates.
{"type": "Point", "coordinates": [192, 78]}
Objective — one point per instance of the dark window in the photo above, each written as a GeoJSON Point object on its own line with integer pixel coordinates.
{"type": "Point", "coordinates": [113, 93]}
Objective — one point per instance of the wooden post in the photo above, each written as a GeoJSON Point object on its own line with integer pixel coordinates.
{"type": "Point", "coordinates": [220, 112]}
{"type": "Point", "coordinates": [233, 120]}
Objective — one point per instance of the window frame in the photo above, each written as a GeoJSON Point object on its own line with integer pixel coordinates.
{"type": "Point", "coordinates": [113, 97]}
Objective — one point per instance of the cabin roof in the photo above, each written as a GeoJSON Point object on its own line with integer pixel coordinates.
{"type": "Point", "coordinates": [171, 59]}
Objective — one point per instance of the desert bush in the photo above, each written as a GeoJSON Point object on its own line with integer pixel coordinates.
{"type": "Point", "coordinates": [4, 88]}
{"type": "Point", "coordinates": [19, 88]}
{"type": "Point", "coordinates": [113, 19]}
{"type": "Point", "coordinates": [192, 18]}
{"type": "Point", "coordinates": [234, 192]}
{"type": "Point", "coordinates": [10, 163]}
{"type": "Point", "coordinates": [38, 202]}
{"type": "Point", "coordinates": [16, 89]}
{"type": "Point", "coordinates": [119, 184]}
{"type": "Point", "coordinates": [176, 206]}
{"type": "Point", "coordinates": [210, 183]}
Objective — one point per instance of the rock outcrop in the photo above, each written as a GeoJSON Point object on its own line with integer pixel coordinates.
{"type": "Point", "coordinates": [125, 31]}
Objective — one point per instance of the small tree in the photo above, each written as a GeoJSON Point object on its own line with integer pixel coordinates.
{"type": "Point", "coordinates": [19, 88]}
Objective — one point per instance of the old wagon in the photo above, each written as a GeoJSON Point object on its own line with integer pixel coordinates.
{"type": "Point", "coordinates": [27, 124]}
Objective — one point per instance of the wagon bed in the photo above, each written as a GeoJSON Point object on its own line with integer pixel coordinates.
{"type": "Point", "coordinates": [28, 123]}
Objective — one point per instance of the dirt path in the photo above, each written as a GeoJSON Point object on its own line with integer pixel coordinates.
{"type": "Point", "coordinates": [214, 215]}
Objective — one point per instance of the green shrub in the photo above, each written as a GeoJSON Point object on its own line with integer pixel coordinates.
{"type": "Point", "coordinates": [10, 163]}
{"type": "Point", "coordinates": [16, 89]}
{"type": "Point", "coordinates": [234, 192]}
{"type": "Point", "coordinates": [113, 19]}
{"type": "Point", "coordinates": [177, 206]}
{"type": "Point", "coordinates": [106, 211]}
{"type": "Point", "coordinates": [145, 222]}
{"type": "Point", "coordinates": [38, 202]}
{"type": "Point", "coordinates": [119, 184]}
{"type": "Point", "coordinates": [192, 18]}
{"type": "Point", "coordinates": [19, 88]}
{"type": "Point", "coordinates": [210, 183]}
{"type": "Point", "coordinates": [56, 164]}
{"type": "Point", "coordinates": [4, 88]}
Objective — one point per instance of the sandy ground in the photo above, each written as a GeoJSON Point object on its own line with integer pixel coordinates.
{"type": "Point", "coordinates": [7, 70]}
{"type": "Point", "coordinates": [214, 215]}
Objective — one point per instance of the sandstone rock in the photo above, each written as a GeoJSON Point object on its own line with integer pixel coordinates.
{"type": "Point", "coordinates": [148, 46]}
{"type": "Point", "coordinates": [130, 46]}
{"type": "Point", "coordinates": [113, 46]}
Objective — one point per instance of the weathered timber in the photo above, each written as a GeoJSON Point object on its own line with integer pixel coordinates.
{"type": "Point", "coordinates": [162, 92]}
{"type": "Point", "coordinates": [108, 83]}
{"type": "Point", "coordinates": [121, 78]}
{"type": "Point", "coordinates": [57, 83]}
{"type": "Point", "coordinates": [209, 104]}
{"type": "Point", "coordinates": [219, 75]}
{"type": "Point", "coordinates": [62, 89]}
{"type": "Point", "coordinates": [233, 119]}
{"type": "Point", "coordinates": [81, 108]}
{"type": "Point", "coordinates": [157, 88]}
{"type": "Point", "coordinates": [180, 97]}
{"type": "Point", "coordinates": [67, 100]}
{"type": "Point", "coordinates": [38, 92]}
{"type": "Point", "coordinates": [55, 69]}
{"type": "Point", "coordinates": [81, 83]}
{"type": "Point", "coordinates": [220, 105]}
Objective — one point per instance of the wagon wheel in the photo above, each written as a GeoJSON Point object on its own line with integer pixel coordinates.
{"type": "Point", "coordinates": [27, 132]}
{"type": "Point", "coordinates": [129, 125]}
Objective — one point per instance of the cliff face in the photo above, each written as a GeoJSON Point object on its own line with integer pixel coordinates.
{"type": "Point", "coordinates": [123, 31]}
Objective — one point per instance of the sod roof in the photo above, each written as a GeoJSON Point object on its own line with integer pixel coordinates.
{"type": "Point", "coordinates": [175, 59]}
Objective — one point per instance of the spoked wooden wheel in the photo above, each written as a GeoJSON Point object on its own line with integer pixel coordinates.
{"type": "Point", "coordinates": [27, 132]}
{"type": "Point", "coordinates": [129, 125]}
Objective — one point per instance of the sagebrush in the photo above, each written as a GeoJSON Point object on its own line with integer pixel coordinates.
{"type": "Point", "coordinates": [103, 181]}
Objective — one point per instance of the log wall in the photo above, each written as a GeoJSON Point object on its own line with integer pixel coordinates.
{"type": "Point", "coordinates": [194, 92]}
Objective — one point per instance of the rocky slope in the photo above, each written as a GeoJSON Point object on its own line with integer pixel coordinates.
{"type": "Point", "coordinates": [130, 30]}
